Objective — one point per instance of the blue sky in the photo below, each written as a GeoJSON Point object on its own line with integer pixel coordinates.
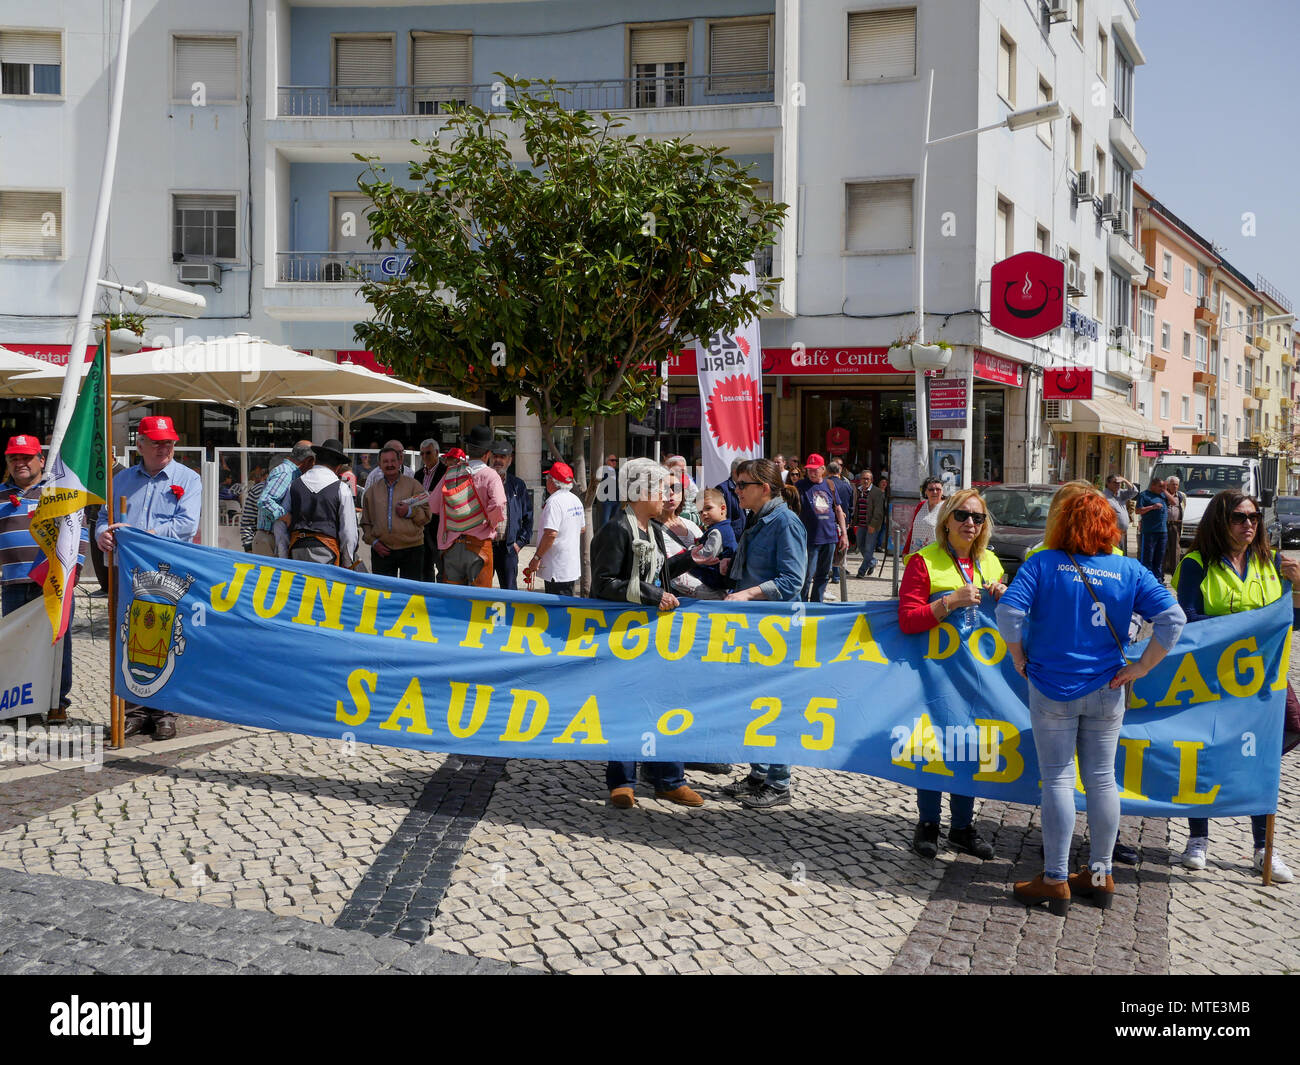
{"type": "Point", "coordinates": [1214, 106]}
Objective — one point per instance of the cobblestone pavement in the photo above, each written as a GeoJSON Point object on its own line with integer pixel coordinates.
{"type": "Point", "coordinates": [525, 863]}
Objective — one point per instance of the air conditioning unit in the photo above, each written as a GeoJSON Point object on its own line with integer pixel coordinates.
{"type": "Point", "coordinates": [1058, 10]}
{"type": "Point", "coordinates": [1083, 189]}
{"type": "Point", "coordinates": [1109, 208]}
{"type": "Point", "coordinates": [198, 274]}
{"type": "Point", "coordinates": [1120, 226]}
{"type": "Point", "coordinates": [1074, 281]}
{"type": "Point", "coordinates": [333, 270]}
{"type": "Point", "coordinates": [1059, 410]}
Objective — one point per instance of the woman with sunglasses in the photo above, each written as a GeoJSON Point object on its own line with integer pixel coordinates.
{"type": "Point", "coordinates": [1231, 568]}
{"type": "Point", "coordinates": [943, 581]}
{"type": "Point", "coordinates": [925, 518]}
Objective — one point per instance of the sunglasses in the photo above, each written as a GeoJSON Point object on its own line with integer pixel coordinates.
{"type": "Point", "coordinates": [963, 516]}
{"type": "Point", "coordinates": [1239, 518]}
{"type": "Point", "coordinates": [748, 484]}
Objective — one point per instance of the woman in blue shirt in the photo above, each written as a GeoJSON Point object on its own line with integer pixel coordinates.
{"type": "Point", "coordinates": [1060, 618]}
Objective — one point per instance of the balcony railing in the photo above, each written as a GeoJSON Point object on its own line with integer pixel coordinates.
{"type": "Point", "coordinates": [609, 94]}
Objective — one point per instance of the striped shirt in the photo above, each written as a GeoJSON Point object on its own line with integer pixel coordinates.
{"type": "Point", "coordinates": [18, 551]}
{"type": "Point", "coordinates": [248, 516]}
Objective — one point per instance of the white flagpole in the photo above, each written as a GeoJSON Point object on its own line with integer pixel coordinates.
{"type": "Point", "coordinates": [81, 331]}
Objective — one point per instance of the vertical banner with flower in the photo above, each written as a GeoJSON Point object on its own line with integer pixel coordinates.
{"type": "Point", "coordinates": [731, 395]}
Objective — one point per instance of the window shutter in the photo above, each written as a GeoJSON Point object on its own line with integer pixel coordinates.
{"type": "Point", "coordinates": [878, 216]}
{"type": "Point", "coordinates": [203, 202]}
{"type": "Point", "coordinates": [882, 44]}
{"type": "Point", "coordinates": [21, 224]}
{"type": "Point", "coordinates": [364, 61]}
{"type": "Point", "coordinates": [39, 48]}
{"type": "Point", "coordinates": [740, 56]}
{"type": "Point", "coordinates": [212, 60]}
{"type": "Point", "coordinates": [658, 44]}
{"type": "Point", "coordinates": [440, 67]}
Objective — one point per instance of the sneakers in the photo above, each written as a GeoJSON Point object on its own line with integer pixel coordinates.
{"type": "Point", "coordinates": [682, 796]}
{"type": "Point", "coordinates": [765, 797]}
{"type": "Point", "coordinates": [746, 785]}
{"type": "Point", "coordinates": [1194, 856]}
{"type": "Point", "coordinates": [925, 840]}
{"type": "Point", "coordinates": [1033, 892]}
{"type": "Point", "coordinates": [1281, 874]}
{"type": "Point", "coordinates": [969, 841]}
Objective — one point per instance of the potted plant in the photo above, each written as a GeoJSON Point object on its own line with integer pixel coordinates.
{"type": "Point", "coordinates": [126, 332]}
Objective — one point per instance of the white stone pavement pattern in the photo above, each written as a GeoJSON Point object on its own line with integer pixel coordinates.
{"type": "Point", "coordinates": [552, 877]}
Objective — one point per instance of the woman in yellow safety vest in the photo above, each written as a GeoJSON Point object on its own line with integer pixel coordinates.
{"type": "Point", "coordinates": [943, 582]}
{"type": "Point", "coordinates": [1231, 568]}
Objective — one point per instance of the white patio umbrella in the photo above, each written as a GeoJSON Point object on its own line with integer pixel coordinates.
{"type": "Point", "coordinates": [35, 379]}
{"type": "Point", "coordinates": [12, 364]}
{"type": "Point", "coordinates": [407, 398]}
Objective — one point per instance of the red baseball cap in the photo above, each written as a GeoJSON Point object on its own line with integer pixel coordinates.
{"type": "Point", "coordinates": [814, 460]}
{"type": "Point", "coordinates": [157, 427]}
{"type": "Point", "coordinates": [23, 445]}
{"type": "Point", "coordinates": [560, 473]}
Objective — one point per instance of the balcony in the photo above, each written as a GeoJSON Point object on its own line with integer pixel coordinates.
{"type": "Point", "coordinates": [1153, 285]}
{"type": "Point", "coordinates": [1262, 342]}
{"type": "Point", "coordinates": [1203, 313]}
{"type": "Point", "coordinates": [1205, 382]}
{"type": "Point", "coordinates": [1249, 402]}
{"type": "Point", "coordinates": [329, 122]}
{"type": "Point", "coordinates": [1122, 362]}
{"type": "Point", "coordinates": [1124, 254]}
{"type": "Point", "coordinates": [1262, 392]}
{"type": "Point", "coordinates": [1247, 352]}
{"type": "Point", "coordinates": [1154, 362]}
{"type": "Point", "coordinates": [1285, 402]}
{"type": "Point", "coordinates": [1126, 144]}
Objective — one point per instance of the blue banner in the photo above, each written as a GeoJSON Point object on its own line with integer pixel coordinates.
{"type": "Point", "coordinates": [318, 650]}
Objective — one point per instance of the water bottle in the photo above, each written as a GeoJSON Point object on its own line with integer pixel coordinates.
{"type": "Point", "coordinates": [970, 616]}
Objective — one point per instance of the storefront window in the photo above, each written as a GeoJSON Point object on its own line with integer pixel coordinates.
{"type": "Point", "coordinates": [871, 419]}
{"type": "Point", "coordinates": [989, 414]}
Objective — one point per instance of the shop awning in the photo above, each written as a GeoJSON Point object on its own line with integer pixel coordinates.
{"type": "Point", "coordinates": [1109, 417]}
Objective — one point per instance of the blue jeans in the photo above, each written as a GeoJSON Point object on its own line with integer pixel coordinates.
{"type": "Point", "coordinates": [16, 596]}
{"type": "Point", "coordinates": [1153, 551]}
{"type": "Point", "coordinates": [820, 557]}
{"type": "Point", "coordinates": [1200, 826]}
{"type": "Point", "coordinates": [776, 776]}
{"type": "Point", "coordinates": [666, 775]}
{"type": "Point", "coordinates": [1089, 724]}
{"type": "Point", "coordinates": [961, 808]}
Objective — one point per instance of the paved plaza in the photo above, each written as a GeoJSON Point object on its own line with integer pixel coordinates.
{"type": "Point", "coordinates": [231, 849]}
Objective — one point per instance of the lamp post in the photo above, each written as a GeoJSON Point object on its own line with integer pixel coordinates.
{"type": "Point", "coordinates": [921, 357]}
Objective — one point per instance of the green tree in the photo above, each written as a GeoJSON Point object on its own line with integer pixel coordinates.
{"type": "Point", "coordinates": [553, 257]}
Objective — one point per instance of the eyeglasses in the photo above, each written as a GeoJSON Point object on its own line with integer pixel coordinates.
{"type": "Point", "coordinates": [1238, 517]}
{"type": "Point", "coordinates": [934, 488]}
{"type": "Point", "coordinates": [748, 484]}
{"type": "Point", "coordinates": [963, 516]}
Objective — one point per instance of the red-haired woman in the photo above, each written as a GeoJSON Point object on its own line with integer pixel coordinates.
{"type": "Point", "coordinates": [1061, 618]}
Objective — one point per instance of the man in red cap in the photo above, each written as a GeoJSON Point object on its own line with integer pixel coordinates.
{"type": "Point", "coordinates": [470, 505]}
{"type": "Point", "coordinates": [162, 497]}
{"type": "Point", "coordinates": [19, 496]}
{"type": "Point", "coordinates": [823, 518]}
{"type": "Point", "coordinates": [559, 552]}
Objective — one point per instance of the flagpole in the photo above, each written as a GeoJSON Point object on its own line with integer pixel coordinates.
{"type": "Point", "coordinates": [116, 708]}
{"type": "Point", "coordinates": [95, 255]}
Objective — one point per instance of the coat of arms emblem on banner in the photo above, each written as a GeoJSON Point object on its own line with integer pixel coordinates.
{"type": "Point", "coordinates": [152, 634]}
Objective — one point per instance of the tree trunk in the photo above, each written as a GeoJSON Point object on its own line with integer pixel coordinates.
{"type": "Point", "coordinates": [588, 531]}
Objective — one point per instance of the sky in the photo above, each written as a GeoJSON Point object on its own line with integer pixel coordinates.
{"type": "Point", "coordinates": [1214, 110]}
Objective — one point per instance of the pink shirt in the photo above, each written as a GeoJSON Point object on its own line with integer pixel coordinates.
{"type": "Point", "coordinates": [491, 493]}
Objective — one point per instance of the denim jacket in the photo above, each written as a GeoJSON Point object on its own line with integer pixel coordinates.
{"type": "Point", "coordinates": [773, 554]}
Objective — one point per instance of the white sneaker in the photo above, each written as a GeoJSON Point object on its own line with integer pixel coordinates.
{"type": "Point", "coordinates": [1281, 874]}
{"type": "Point", "coordinates": [1194, 856]}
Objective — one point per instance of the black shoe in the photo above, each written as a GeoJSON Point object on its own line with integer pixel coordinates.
{"type": "Point", "coordinates": [137, 726]}
{"type": "Point", "coordinates": [718, 769]}
{"type": "Point", "coordinates": [98, 593]}
{"type": "Point", "coordinates": [969, 841]}
{"type": "Point", "coordinates": [744, 786]}
{"type": "Point", "coordinates": [164, 730]}
{"type": "Point", "coordinates": [925, 840]}
{"type": "Point", "coordinates": [1125, 854]}
{"type": "Point", "coordinates": [766, 797]}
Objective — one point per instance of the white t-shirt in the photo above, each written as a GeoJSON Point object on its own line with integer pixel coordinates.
{"type": "Point", "coordinates": [563, 512]}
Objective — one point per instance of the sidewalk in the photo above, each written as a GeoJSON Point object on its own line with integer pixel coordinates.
{"type": "Point", "coordinates": [524, 863]}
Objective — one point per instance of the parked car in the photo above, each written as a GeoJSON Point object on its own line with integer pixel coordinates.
{"type": "Point", "coordinates": [1019, 513]}
{"type": "Point", "coordinates": [1284, 531]}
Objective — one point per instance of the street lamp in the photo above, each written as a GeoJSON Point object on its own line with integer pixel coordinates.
{"type": "Point", "coordinates": [920, 356]}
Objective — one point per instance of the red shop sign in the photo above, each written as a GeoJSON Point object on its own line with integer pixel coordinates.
{"type": "Point", "coordinates": [1070, 382]}
{"type": "Point", "coordinates": [1028, 295]}
{"type": "Point", "coordinates": [990, 367]}
{"type": "Point", "coordinates": [785, 362]}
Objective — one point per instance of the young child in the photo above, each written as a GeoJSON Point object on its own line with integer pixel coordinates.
{"type": "Point", "coordinates": [716, 545]}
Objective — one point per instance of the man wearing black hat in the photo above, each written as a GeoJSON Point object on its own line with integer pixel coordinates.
{"type": "Point", "coordinates": [519, 518]}
{"type": "Point", "coordinates": [470, 504]}
{"type": "Point", "coordinates": [323, 515]}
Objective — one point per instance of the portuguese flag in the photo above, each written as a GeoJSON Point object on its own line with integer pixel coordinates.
{"type": "Point", "coordinates": [77, 477]}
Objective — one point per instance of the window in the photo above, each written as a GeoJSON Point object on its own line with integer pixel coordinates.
{"type": "Point", "coordinates": [1102, 48]}
{"type": "Point", "coordinates": [1121, 184]}
{"type": "Point", "coordinates": [740, 56]}
{"type": "Point", "coordinates": [1164, 405]}
{"type": "Point", "coordinates": [1187, 279]}
{"type": "Point", "coordinates": [1004, 236]}
{"type": "Point", "coordinates": [1227, 369]}
{"type": "Point", "coordinates": [1187, 345]}
{"type": "Point", "coordinates": [1202, 347]}
{"type": "Point", "coordinates": [878, 216]}
{"type": "Point", "coordinates": [1164, 336]}
{"type": "Point", "coordinates": [365, 70]}
{"type": "Point", "coordinates": [1167, 267]}
{"type": "Point", "coordinates": [203, 226]}
{"type": "Point", "coordinates": [212, 62]}
{"type": "Point", "coordinates": [1076, 144]}
{"type": "Point", "coordinates": [1043, 241]}
{"type": "Point", "coordinates": [1007, 69]}
{"type": "Point", "coordinates": [1045, 133]}
{"type": "Point", "coordinates": [31, 63]}
{"type": "Point", "coordinates": [1121, 298]}
{"type": "Point", "coordinates": [1202, 283]}
{"type": "Point", "coordinates": [31, 224]}
{"type": "Point", "coordinates": [1238, 375]}
{"type": "Point", "coordinates": [1078, 21]}
{"type": "Point", "coordinates": [657, 64]}
{"type": "Point", "coordinates": [1268, 374]}
{"type": "Point", "coordinates": [1147, 322]}
{"type": "Point", "coordinates": [441, 71]}
{"type": "Point", "coordinates": [1225, 425]}
{"type": "Point", "coordinates": [882, 44]}
{"type": "Point", "coordinates": [1237, 423]}
{"type": "Point", "coordinates": [1187, 409]}
{"type": "Point", "coordinates": [1074, 262]}
{"type": "Point", "coordinates": [1098, 296]}
{"type": "Point", "coordinates": [1123, 85]}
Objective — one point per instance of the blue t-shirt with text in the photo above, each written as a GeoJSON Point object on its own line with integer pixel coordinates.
{"type": "Point", "coordinates": [817, 510]}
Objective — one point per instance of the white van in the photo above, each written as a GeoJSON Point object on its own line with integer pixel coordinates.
{"type": "Point", "coordinates": [1202, 477]}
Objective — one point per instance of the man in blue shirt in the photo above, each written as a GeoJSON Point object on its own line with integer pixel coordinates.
{"type": "Point", "coordinates": [1151, 508]}
{"type": "Point", "coordinates": [273, 506]}
{"type": "Point", "coordinates": [519, 518]}
{"type": "Point", "coordinates": [163, 497]}
{"type": "Point", "coordinates": [823, 518]}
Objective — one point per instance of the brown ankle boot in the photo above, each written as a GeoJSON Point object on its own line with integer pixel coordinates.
{"type": "Point", "coordinates": [1032, 892]}
{"type": "Point", "coordinates": [1087, 884]}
